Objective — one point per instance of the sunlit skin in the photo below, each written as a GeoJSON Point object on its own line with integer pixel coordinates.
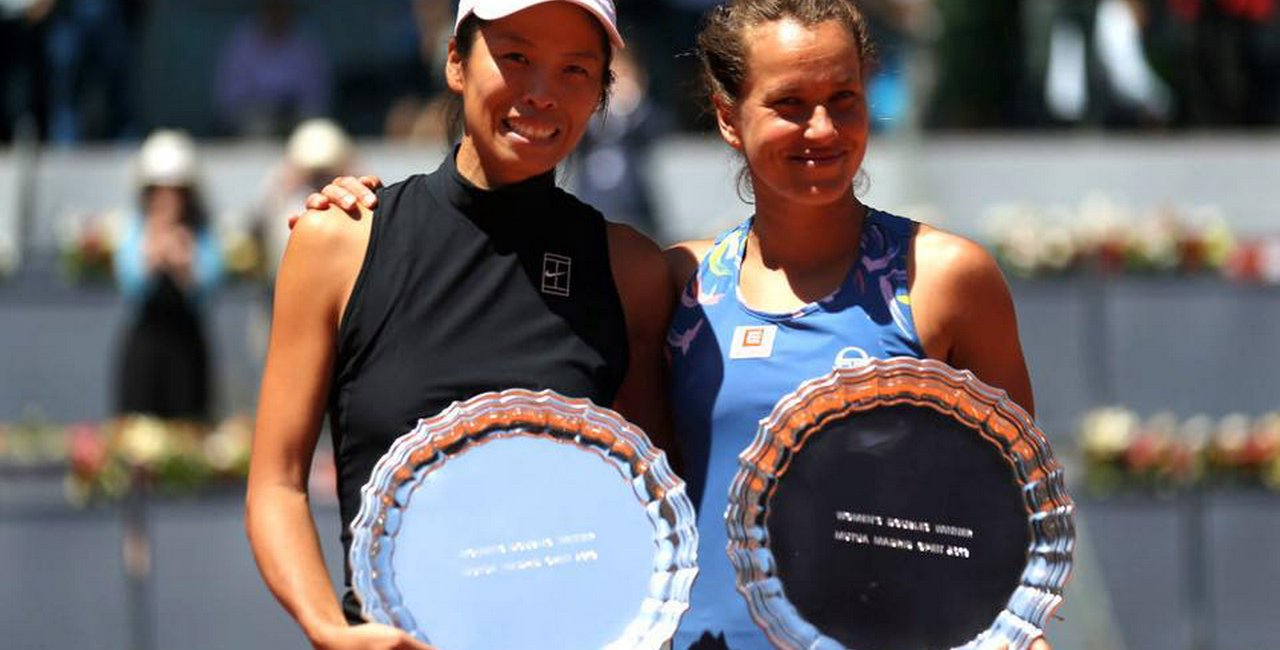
{"type": "Point", "coordinates": [528, 92]}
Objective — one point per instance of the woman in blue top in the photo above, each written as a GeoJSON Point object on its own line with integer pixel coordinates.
{"type": "Point", "coordinates": [814, 279]}
{"type": "Point", "coordinates": [167, 266]}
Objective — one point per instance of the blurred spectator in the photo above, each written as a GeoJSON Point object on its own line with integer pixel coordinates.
{"type": "Point", "coordinates": [167, 264]}
{"type": "Point", "coordinates": [317, 151]}
{"type": "Point", "coordinates": [420, 101]}
{"type": "Point", "coordinates": [272, 73]}
{"type": "Point", "coordinates": [1222, 58]}
{"type": "Point", "coordinates": [1088, 65]}
{"type": "Point", "coordinates": [89, 49]}
{"type": "Point", "coordinates": [612, 159]}
{"type": "Point", "coordinates": [23, 24]}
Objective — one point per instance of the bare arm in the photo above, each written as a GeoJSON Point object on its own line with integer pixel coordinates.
{"type": "Point", "coordinates": [315, 279]}
{"type": "Point", "coordinates": [964, 313]}
{"type": "Point", "coordinates": [682, 263]}
{"type": "Point", "coordinates": [641, 276]}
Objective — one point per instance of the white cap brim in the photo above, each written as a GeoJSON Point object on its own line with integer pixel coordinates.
{"type": "Point", "coordinates": [493, 10]}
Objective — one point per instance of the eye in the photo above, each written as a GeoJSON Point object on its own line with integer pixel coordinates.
{"type": "Point", "coordinates": [516, 57]}
{"type": "Point", "coordinates": [786, 102]}
{"type": "Point", "coordinates": [574, 69]}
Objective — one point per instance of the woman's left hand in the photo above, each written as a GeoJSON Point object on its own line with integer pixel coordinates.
{"type": "Point", "coordinates": [342, 192]}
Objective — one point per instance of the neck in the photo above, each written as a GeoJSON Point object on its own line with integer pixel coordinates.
{"type": "Point", "coordinates": [486, 175]}
{"type": "Point", "coordinates": [798, 237]}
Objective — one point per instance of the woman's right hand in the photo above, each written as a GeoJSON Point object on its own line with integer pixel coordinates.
{"type": "Point", "coordinates": [342, 192]}
{"type": "Point", "coordinates": [368, 636]}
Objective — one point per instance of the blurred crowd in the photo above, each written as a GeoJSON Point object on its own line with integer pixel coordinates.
{"type": "Point", "coordinates": [89, 70]}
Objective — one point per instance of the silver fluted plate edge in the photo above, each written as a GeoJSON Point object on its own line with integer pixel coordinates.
{"type": "Point", "coordinates": [913, 382]}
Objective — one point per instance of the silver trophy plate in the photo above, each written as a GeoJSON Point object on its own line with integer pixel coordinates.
{"type": "Point", "coordinates": [525, 520]}
{"type": "Point", "coordinates": [900, 505]}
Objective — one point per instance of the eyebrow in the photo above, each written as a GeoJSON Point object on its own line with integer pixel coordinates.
{"type": "Point", "coordinates": [512, 37]}
{"type": "Point", "coordinates": [798, 87]}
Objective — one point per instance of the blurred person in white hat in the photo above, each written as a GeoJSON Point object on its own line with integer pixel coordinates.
{"type": "Point", "coordinates": [479, 276]}
{"type": "Point", "coordinates": [166, 266]}
{"type": "Point", "coordinates": [317, 150]}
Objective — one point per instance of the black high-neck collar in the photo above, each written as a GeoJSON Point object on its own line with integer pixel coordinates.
{"type": "Point", "coordinates": [467, 196]}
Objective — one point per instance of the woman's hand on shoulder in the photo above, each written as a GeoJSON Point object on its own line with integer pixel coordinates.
{"type": "Point", "coordinates": [964, 312]}
{"type": "Point", "coordinates": [368, 636]}
{"type": "Point", "coordinates": [347, 193]}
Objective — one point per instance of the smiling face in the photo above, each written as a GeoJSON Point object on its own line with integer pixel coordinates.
{"type": "Point", "coordinates": [801, 118]}
{"type": "Point", "coordinates": [528, 91]}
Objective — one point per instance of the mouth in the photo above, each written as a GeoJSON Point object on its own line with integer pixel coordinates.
{"type": "Point", "coordinates": [818, 157]}
{"type": "Point", "coordinates": [530, 131]}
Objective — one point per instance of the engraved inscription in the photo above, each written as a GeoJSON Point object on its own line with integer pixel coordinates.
{"type": "Point", "coordinates": [904, 535]}
{"type": "Point", "coordinates": [527, 554]}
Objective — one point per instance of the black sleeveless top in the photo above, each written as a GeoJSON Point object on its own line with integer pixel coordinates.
{"type": "Point", "coordinates": [463, 291]}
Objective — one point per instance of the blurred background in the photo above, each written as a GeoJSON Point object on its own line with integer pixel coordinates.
{"type": "Point", "coordinates": [1121, 157]}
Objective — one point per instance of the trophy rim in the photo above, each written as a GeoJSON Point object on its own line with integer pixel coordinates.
{"type": "Point", "coordinates": [517, 412]}
{"type": "Point", "coordinates": [893, 382]}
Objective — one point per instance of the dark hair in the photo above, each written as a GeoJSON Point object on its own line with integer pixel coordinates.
{"type": "Point", "coordinates": [194, 215]}
{"type": "Point", "coordinates": [465, 39]}
{"type": "Point", "coordinates": [722, 44]}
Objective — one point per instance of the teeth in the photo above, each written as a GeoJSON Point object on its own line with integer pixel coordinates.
{"type": "Point", "coordinates": [531, 131]}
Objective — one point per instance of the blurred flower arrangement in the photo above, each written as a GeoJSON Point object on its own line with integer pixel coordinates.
{"type": "Point", "coordinates": [1105, 236]}
{"type": "Point", "coordinates": [9, 255]}
{"type": "Point", "coordinates": [87, 245]}
{"type": "Point", "coordinates": [104, 460]}
{"type": "Point", "coordinates": [1161, 453]}
{"type": "Point", "coordinates": [242, 255]}
{"type": "Point", "coordinates": [88, 241]}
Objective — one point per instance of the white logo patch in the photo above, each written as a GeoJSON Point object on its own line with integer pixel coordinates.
{"type": "Point", "coordinates": [555, 274]}
{"type": "Point", "coordinates": [753, 341]}
{"type": "Point", "coordinates": [851, 357]}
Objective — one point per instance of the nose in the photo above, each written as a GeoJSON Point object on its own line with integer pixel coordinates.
{"type": "Point", "coordinates": [540, 92]}
{"type": "Point", "coordinates": [820, 126]}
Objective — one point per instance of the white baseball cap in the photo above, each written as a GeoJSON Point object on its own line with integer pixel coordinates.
{"type": "Point", "coordinates": [167, 158]}
{"type": "Point", "coordinates": [319, 144]}
{"type": "Point", "coordinates": [603, 10]}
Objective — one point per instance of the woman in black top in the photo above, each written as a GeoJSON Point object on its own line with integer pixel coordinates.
{"type": "Point", "coordinates": [479, 276]}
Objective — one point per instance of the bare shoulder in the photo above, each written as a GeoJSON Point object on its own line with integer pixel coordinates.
{"type": "Point", "coordinates": [952, 280]}
{"type": "Point", "coordinates": [683, 260]}
{"type": "Point", "coordinates": [325, 252]}
{"type": "Point", "coordinates": [330, 229]}
{"type": "Point", "coordinates": [638, 265]}
{"type": "Point", "coordinates": [640, 273]}
{"type": "Point", "coordinates": [948, 261]}
{"type": "Point", "coordinates": [630, 245]}
{"type": "Point", "coordinates": [964, 313]}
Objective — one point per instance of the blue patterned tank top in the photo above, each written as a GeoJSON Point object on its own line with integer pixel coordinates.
{"type": "Point", "coordinates": [730, 364]}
